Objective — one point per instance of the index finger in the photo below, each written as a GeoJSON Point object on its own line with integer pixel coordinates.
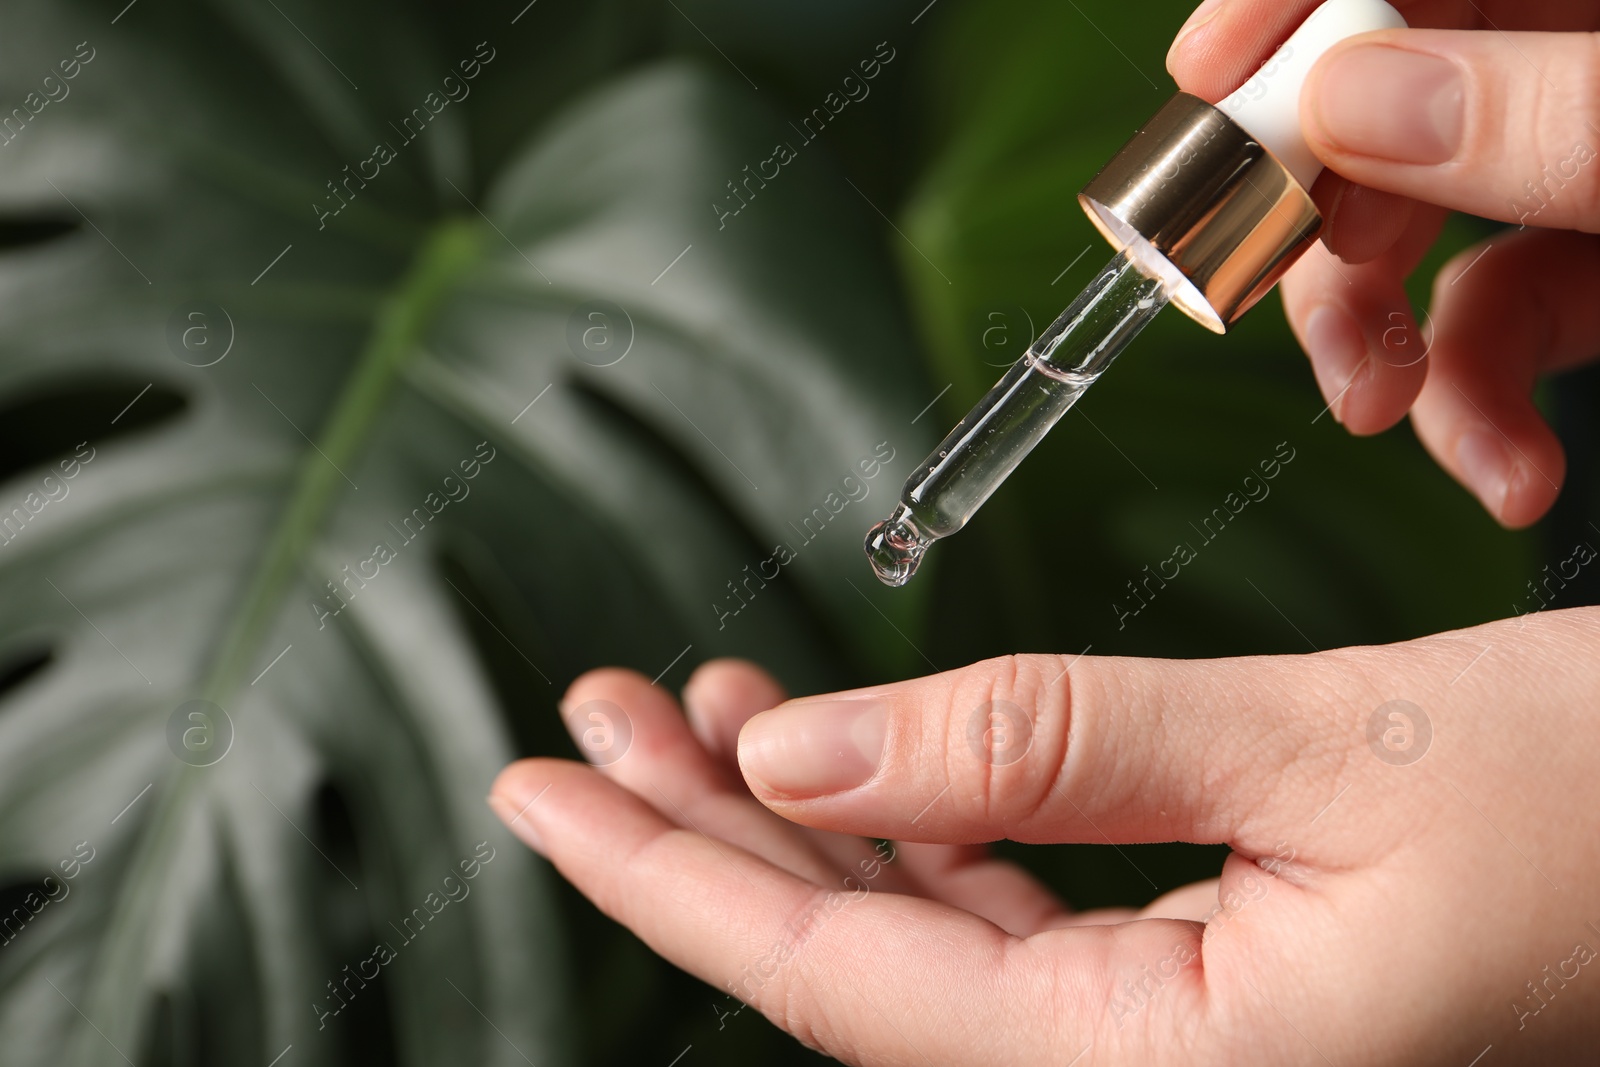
{"type": "Point", "coordinates": [868, 977]}
{"type": "Point", "coordinates": [1226, 41]}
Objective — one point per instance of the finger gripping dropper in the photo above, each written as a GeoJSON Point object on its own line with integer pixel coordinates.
{"type": "Point", "coordinates": [1208, 207]}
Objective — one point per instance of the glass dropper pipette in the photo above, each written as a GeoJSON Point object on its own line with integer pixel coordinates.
{"type": "Point", "coordinates": [1210, 205]}
{"type": "Point", "coordinates": [982, 451]}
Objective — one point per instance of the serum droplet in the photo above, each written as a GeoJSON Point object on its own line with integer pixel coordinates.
{"type": "Point", "coordinates": [895, 548]}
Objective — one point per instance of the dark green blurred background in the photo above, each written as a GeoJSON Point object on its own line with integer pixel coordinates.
{"type": "Point", "coordinates": [903, 262]}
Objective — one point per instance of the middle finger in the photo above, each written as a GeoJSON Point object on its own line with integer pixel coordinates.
{"type": "Point", "coordinates": [633, 732]}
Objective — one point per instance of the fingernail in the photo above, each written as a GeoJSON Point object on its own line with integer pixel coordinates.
{"type": "Point", "coordinates": [814, 748]}
{"type": "Point", "coordinates": [1338, 349]}
{"type": "Point", "coordinates": [1202, 15]}
{"type": "Point", "coordinates": [1485, 466]}
{"type": "Point", "coordinates": [698, 711]}
{"type": "Point", "coordinates": [512, 811]}
{"type": "Point", "coordinates": [1390, 103]}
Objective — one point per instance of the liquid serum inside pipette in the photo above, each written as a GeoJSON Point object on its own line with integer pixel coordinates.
{"type": "Point", "coordinates": [981, 452]}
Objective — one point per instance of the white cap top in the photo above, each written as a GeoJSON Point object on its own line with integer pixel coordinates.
{"type": "Point", "coordinates": [1268, 105]}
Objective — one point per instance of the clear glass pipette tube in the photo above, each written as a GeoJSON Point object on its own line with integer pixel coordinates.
{"type": "Point", "coordinates": [981, 452]}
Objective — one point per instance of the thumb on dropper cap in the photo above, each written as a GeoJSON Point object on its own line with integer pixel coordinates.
{"type": "Point", "coordinates": [1268, 105]}
{"type": "Point", "coordinates": [1216, 201]}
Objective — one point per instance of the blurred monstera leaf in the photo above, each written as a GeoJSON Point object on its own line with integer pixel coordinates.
{"type": "Point", "coordinates": [1353, 541]}
{"type": "Point", "coordinates": [356, 426]}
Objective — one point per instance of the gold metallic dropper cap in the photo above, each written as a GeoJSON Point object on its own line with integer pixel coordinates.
{"type": "Point", "coordinates": [1224, 216]}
